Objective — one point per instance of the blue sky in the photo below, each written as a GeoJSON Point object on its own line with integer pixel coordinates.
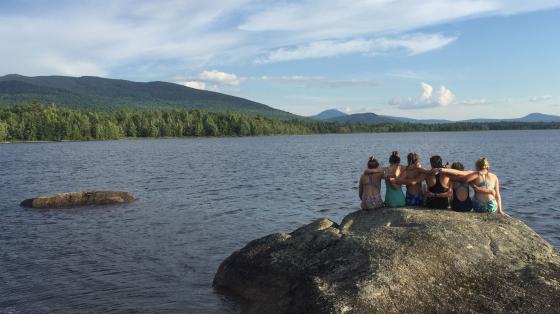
{"type": "Point", "coordinates": [452, 59]}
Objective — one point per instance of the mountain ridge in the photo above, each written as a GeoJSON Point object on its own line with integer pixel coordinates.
{"type": "Point", "coordinates": [372, 118]}
{"type": "Point", "coordinates": [107, 94]}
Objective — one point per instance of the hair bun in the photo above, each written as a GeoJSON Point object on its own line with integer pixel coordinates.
{"type": "Point", "coordinates": [395, 153]}
{"type": "Point", "coordinates": [371, 158]}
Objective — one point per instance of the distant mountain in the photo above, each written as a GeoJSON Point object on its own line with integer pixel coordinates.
{"type": "Point", "coordinates": [421, 121]}
{"type": "Point", "coordinates": [482, 120]}
{"type": "Point", "coordinates": [368, 118]}
{"type": "Point", "coordinates": [363, 118]}
{"type": "Point", "coordinates": [532, 117]}
{"type": "Point", "coordinates": [329, 114]}
{"type": "Point", "coordinates": [372, 118]}
{"type": "Point", "coordinates": [334, 115]}
{"type": "Point", "coordinates": [96, 93]}
{"type": "Point", "coordinates": [539, 117]}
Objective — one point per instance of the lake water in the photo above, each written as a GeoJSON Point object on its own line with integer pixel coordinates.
{"type": "Point", "coordinates": [201, 199]}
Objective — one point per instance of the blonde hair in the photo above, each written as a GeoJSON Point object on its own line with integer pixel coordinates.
{"type": "Point", "coordinates": [482, 164]}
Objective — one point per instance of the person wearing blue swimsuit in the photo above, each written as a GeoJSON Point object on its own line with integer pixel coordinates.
{"type": "Point", "coordinates": [412, 178]}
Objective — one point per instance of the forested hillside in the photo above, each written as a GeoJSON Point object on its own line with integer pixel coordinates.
{"type": "Point", "coordinates": [50, 123]}
{"type": "Point", "coordinates": [102, 94]}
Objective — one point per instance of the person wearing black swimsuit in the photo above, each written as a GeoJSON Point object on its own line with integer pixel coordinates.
{"type": "Point", "coordinates": [438, 186]}
{"type": "Point", "coordinates": [461, 193]}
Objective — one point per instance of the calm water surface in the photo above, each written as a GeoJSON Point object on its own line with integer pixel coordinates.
{"type": "Point", "coordinates": [201, 199]}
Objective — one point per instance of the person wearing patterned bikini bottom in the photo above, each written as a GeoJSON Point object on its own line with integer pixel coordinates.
{"type": "Point", "coordinates": [370, 187]}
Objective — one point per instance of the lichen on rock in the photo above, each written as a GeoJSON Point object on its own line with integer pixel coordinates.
{"type": "Point", "coordinates": [395, 261]}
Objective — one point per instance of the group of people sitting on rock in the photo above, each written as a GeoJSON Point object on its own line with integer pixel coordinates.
{"type": "Point", "coordinates": [444, 188]}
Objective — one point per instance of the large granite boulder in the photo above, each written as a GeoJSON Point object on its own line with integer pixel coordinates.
{"type": "Point", "coordinates": [73, 199]}
{"type": "Point", "coordinates": [397, 261]}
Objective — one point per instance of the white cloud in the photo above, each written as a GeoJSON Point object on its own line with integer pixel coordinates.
{"type": "Point", "coordinates": [70, 67]}
{"type": "Point", "coordinates": [319, 81]}
{"type": "Point", "coordinates": [147, 40]}
{"type": "Point", "coordinates": [540, 98]}
{"type": "Point", "coordinates": [406, 74]}
{"type": "Point", "coordinates": [210, 80]}
{"type": "Point", "coordinates": [474, 102]}
{"type": "Point", "coordinates": [220, 77]}
{"type": "Point", "coordinates": [411, 44]}
{"type": "Point", "coordinates": [415, 44]}
{"type": "Point", "coordinates": [194, 84]}
{"type": "Point", "coordinates": [319, 49]}
{"type": "Point", "coordinates": [429, 98]}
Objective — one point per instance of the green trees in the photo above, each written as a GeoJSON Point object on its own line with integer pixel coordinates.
{"type": "Point", "coordinates": [36, 122]}
{"type": "Point", "coordinates": [3, 131]}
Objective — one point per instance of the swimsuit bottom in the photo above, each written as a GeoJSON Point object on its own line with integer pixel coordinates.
{"type": "Point", "coordinates": [437, 202]}
{"type": "Point", "coordinates": [415, 200]}
{"type": "Point", "coordinates": [485, 207]}
{"type": "Point", "coordinates": [372, 202]}
{"type": "Point", "coordinates": [394, 197]}
{"type": "Point", "coordinates": [462, 206]}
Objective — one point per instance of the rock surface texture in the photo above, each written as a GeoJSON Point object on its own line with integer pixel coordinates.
{"type": "Point", "coordinates": [73, 199]}
{"type": "Point", "coordinates": [397, 261]}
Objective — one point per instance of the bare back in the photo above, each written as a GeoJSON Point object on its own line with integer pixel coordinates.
{"type": "Point", "coordinates": [371, 184]}
{"type": "Point", "coordinates": [413, 188]}
{"type": "Point", "coordinates": [395, 170]}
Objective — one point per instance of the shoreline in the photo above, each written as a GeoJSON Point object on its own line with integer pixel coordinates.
{"type": "Point", "coordinates": [309, 134]}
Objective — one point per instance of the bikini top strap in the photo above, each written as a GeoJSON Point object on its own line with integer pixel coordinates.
{"type": "Point", "coordinates": [371, 182]}
{"type": "Point", "coordinates": [481, 179]}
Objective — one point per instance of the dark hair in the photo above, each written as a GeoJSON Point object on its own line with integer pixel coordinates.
{"type": "Point", "coordinates": [458, 166]}
{"type": "Point", "coordinates": [372, 163]}
{"type": "Point", "coordinates": [395, 158]}
{"type": "Point", "coordinates": [437, 162]}
{"type": "Point", "coordinates": [412, 158]}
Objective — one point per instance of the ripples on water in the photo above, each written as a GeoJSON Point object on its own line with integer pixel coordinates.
{"type": "Point", "coordinates": [201, 199]}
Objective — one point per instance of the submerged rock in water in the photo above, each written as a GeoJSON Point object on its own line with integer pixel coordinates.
{"type": "Point", "coordinates": [73, 199]}
{"type": "Point", "coordinates": [395, 261]}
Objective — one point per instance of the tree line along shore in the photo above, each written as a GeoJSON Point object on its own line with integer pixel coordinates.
{"type": "Point", "coordinates": [35, 122]}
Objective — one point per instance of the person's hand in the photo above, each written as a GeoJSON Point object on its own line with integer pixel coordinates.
{"type": "Point", "coordinates": [483, 189]}
{"type": "Point", "coordinates": [392, 180]}
{"type": "Point", "coordinates": [477, 188]}
{"type": "Point", "coordinates": [503, 214]}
